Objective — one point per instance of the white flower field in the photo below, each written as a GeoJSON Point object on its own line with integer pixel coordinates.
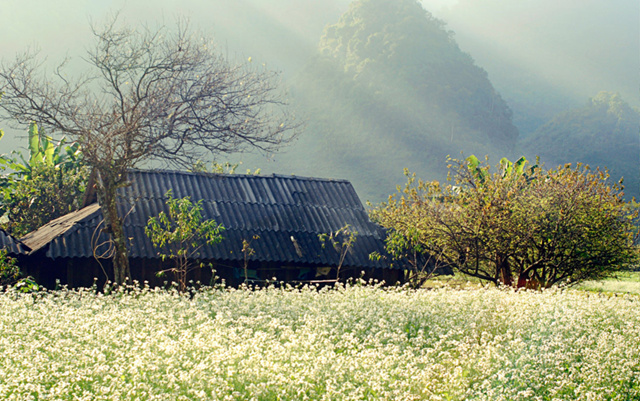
{"type": "Point", "coordinates": [353, 343]}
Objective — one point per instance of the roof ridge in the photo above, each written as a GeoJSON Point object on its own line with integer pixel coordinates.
{"type": "Point", "coordinates": [239, 175]}
{"type": "Point", "coordinates": [242, 202]}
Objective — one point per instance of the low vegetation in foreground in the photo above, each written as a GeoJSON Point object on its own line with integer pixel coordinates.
{"type": "Point", "coordinates": [351, 343]}
{"type": "Point", "coordinates": [623, 283]}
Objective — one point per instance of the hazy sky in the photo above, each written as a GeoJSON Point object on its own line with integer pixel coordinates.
{"type": "Point", "coordinates": [568, 39]}
{"type": "Point", "coordinates": [582, 46]}
{"type": "Point", "coordinates": [61, 25]}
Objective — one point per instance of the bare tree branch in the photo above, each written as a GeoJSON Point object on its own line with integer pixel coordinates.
{"type": "Point", "coordinates": [160, 94]}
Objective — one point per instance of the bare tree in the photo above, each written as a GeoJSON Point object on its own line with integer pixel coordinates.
{"type": "Point", "coordinates": [148, 94]}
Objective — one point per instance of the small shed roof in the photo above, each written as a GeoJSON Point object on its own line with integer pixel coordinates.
{"type": "Point", "coordinates": [11, 244]}
{"type": "Point", "coordinates": [286, 213]}
{"type": "Point", "coordinates": [43, 236]}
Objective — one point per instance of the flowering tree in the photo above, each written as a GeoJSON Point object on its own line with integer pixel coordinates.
{"type": "Point", "coordinates": [516, 226]}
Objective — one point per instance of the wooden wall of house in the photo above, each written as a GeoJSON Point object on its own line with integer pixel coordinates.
{"type": "Point", "coordinates": [80, 272]}
{"type": "Point", "coordinates": [388, 276]}
{"type": "Point", "coordinates": [85, 272]}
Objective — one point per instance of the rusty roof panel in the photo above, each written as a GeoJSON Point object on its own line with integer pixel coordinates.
{"type": "Point", "coordinates": [45, 234]}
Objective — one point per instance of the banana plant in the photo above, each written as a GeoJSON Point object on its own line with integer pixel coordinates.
{"type": "Point", "coordinates": [43, 151]}
{"type": "Point", "coordinates": [508, 169]}
{"type": "Point", "coordinates": [516, 169]}
{"type": "Point", "coordinates": [475, 167]}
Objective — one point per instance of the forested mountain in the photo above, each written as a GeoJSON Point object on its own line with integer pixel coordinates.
{"type": "Point", "coordinates": [398, 55]}
{"type": "Point", "coordinates": [391, 89]}
{"type": "Point", "coordinates": [602, 133]}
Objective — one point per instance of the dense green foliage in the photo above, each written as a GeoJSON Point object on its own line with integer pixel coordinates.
{"type": "Point", "coordinates": [49, 184]}
{"type": "Point", "coordinates": [517, 226]}
{"type": "Point", "coordinates": [9, 270]}
{"type": "Point", "coordinates": [181, 234]}
{"type": "Point", "coordinates": [603, 133]}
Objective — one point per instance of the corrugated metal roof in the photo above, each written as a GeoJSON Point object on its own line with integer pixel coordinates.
{"type": "Point", "coordinates": [12, 245]}
{"type": "Point", "coordinates": [275, 208]}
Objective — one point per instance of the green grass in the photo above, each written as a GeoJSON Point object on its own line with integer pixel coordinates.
{"type": "Point", "coordinates": [624, 283]}
{"type": "Point", "coordinates": [457, 281]}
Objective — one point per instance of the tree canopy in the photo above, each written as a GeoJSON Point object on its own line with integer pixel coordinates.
{"type": "Point", "coordinates": [516, 226]}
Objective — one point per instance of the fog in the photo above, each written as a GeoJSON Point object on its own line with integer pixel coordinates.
{"type": "Point", "coordinates": [552, 52]}
{"type": "Point", "coordinates": [581, 46]}
{"type": "Point", "coordinates": [550, 55]}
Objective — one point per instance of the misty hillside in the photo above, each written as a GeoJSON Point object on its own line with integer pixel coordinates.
{"type": "Point", "coordinates": [547, 56]}
{"type": "Point", "coordinates": [387, 86]}
{"type": "Point", "coordinates": [603, 133]}
{"type": "Point", "coordinates": [390, 89]}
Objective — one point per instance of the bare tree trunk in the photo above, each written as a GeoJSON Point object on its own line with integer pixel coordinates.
{"type": "Point", "coordinates": [113, 223]}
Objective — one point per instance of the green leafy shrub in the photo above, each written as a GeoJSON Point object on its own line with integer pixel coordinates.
{"type": "Point", "coordinates": [181, 234]}
{"type": "Point", "coordinates": [9, 271]}
{"type": "Point", "coordinates": [50, 184]}
{"type": "Point", "coordinates": [11, 276]}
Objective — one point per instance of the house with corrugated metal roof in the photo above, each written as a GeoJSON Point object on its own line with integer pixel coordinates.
{"type": "Point", "coordinates": [281, 218]}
